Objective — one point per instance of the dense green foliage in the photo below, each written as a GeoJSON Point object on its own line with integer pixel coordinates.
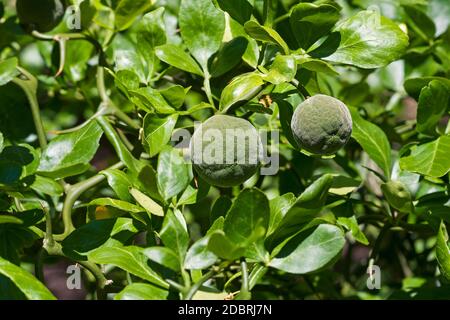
{"type": "Point", "coordinates": [93, 158]}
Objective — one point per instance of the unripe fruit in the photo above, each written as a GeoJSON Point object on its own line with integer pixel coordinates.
{"type": "Point", "coordinates": [321, 125]}
{"type": "Point", "coordinates": [42, 15]}
{"type": "Point", "coordinates": [226, 151]}
{"type": "Point", "coordinates": [398, 195]}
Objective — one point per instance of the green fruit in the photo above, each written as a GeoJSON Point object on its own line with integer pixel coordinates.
{"type": "Point", "coordinates": [321, 125]}
{"type": "Point", "coordinates": [226, 151]}
{"type": "Point", "coordinates": [398, 195]}
{"type": "Point", "coordinates": [42, 15]}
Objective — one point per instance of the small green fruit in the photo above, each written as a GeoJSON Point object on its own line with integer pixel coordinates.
{"type": "Point", "coordinates": [226, 151]}
{"type": "Point", "coordinates": [321, 125]}
{"type": "Point", "coordinates": [398, 195]}
{"type": "Point", "coordinates": [42, 15]}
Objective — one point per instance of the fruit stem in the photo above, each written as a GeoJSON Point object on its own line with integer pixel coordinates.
{"type": "Point", "coordinates": [29, 86]}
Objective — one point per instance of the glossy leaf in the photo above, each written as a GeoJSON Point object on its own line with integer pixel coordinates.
{"type": "Point", "coordinates": [164, 256]}
{"type": "Point", "coordinates": [240, 11]}
{"type": "Point", "coordinates": [174, 233]}
{"type": "Point", "coordinates": [131, 259]}
{"type": "Point", "coordinates": [147, 203]}
{"type": "Point", "coordinates": [127, 11]}
{"type": "Point", "coordinates": [433, 102]}
{"type": "Point", "coordinates": [228, 56]}
{"type": "Point", "coordinates": [351, 224]}
{"type": "Point", "coordinates": [305, 255]}
{"type": "Point", "coordinates": [369, 40]}
{"type": "Point", "coordinates": [443, 252]}
{"type": "Point", "coordinates": [283, 69]}
{"type": "Point", "coordinates": [310, 22]}
{"type": "Point", "coordinates": [120, 182]}
{"type": "Point", "coordinates": [157, 132]}
{"type": "Point", "coordinates": [241, 89]}
{"type": "Point", "coordinates": [174, 174]}
{"type": "Point", "coordinates": [8, 70]}
{"type": "Point", "coordinates": [429, 159]}
{"type": "Point", "coordinates": [202, 27]}
{"type": "Point", "coordinates": [373, 140]}
{"type": "Point", "coordinates": [249, 211]}
{"type": "Point", "coordinates": [175, 56]}
{"type": "Point", "coordinates": [27, 283]}
{"type": "Point", "coordinates": [142, 291]}
{"type": "Point", "coordinates": [265, 34]}
{"type": "Point", "coordinates": [70, 154]}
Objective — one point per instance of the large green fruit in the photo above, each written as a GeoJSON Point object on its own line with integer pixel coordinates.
{"type": "Point", "coordinates": [40, 15]}
{"type": "Point", "coordinates": [321, 125]}
{"type": "Point", "coordinates": [226, 151]}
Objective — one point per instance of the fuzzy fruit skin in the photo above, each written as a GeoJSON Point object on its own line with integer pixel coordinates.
{"type": "Point", "coordinates": [40, 15]}
{"type": "Point", "coordinates": [242, 167]}
{"type": "Point", "coordinates": [322, 125]}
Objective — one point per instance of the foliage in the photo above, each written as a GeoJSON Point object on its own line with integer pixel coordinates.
{"type": "Point", "coordinates": [93, 166]}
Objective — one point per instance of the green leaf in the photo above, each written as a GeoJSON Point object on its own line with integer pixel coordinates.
{"type": "Point", "coordinates": [249, 211]}
{"type": "Point", "coordinates": [2, 140]}
{"type": "Point", "coordinates": [283, 69]}
{"type": "Point", "coordinates": [429, 159]}
{"type": "Point", "coordinates": [443, 252]}
{"type": "Point", "coordinates": [127, 11]}
{"type": "Point", "coordinates": [131, 259]}
{"type": "Point", "coordinates": [265, 34]}
{"type": "Point", "coordinates": [8, 70]}
{"type": "Point", "coordinates": [369, 41]}
{"type": "Point", "coordinates": [251, 54]}
{"type": "Point", "coordinates": [151, 101]}
{"type": "Point", "coordinates": [241, 89]}
{"type": "Point", "coordinates": [150, 33]}
{"type": "Point", "coordinates": [373, 140]}
{"type": "Point", "coordinates": [414, 86]}
{"type": "Point", "coordinates": [228, 56]}
{"type": "Point", "coordinates": [433, 102]}
{"type": "Point", "coordinates": [199, 256]}
{"type": "Point", "coordinates": [118, 204]}
{"type": "Point", "coordinates": [9, 219]}
{"type": "Point", "coordinates": [420, 22]}
{"type": "Point", "coordinates": [27, 283]}
{"type": "Point", "coordinates": [157, 132]}
{"type": "Point", "coordinates": [69, 154]}
{"type": "Point", "coordinates": [142, 291]}
{"type": "Point", "coordinates": [223, 247]}
{"type": "Point", "coordinates": [47, 186]}
{"type": "Point", "coordinates": [351, 224]}
{"type": "Point", "coordinates": [305, 255]}
{"type": "Point", "coordinates": [315, 65]}
{"type": "Point", "coordinates": [306, 206]}
{"type": "Point", "coordinates": [202, 27]}
{"type": "Point", "coordinates": [279, 207]}
{"type": "Point", "coordinates": [99, 233]}
{"type": "Point", "coordinates": [120, 182]}
{"type": "Point", "coordinates": [310, 22]}
{"type": "Point", "coordinates": [147, 203]}
{"type": "Point", "coordinates": [174, 233]}
{"type": "Point", "coordinates": [174, 173]}
{"type": "Point", "coordinates": [240, 11]}
{"type": "Point", "coordinates": [174, 95]}
{"type": "Point", "coordinates": [164, 256]}
{"type": "Point", "coordinates": [175, 56]}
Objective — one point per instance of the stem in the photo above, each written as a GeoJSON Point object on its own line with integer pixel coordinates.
{"type": "Point", "coordinates": [30, 88]}
{"type": "Point", "coordinates": [245, 293]}
{"type": "Point", "coordinates": [48, 239]}
{"type": "Point", "coordinates": [301, 88]}
{"type": "Point", "coordinates": [282, 18]}
{"type": "Point", "coordinates": [74, 192]}
{"type": "Point", "coordinates": [193, 290]}
{"type": "Point", "coordinates": [207, 86]}
{"type": "Point", "coordinates": [266, 12]}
